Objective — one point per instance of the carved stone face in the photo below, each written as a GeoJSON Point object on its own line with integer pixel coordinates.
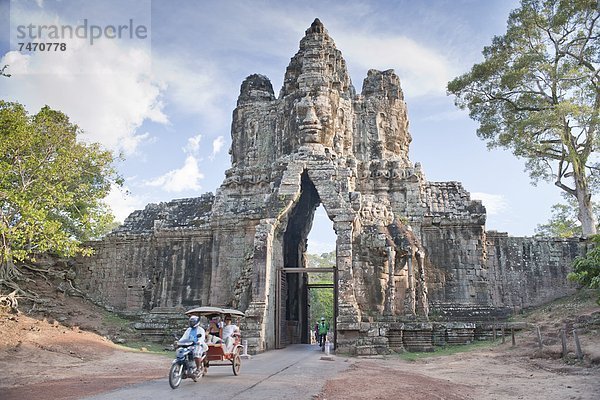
{"type": "Point", "coordinates": [314, 118]}
{"type": "Point", "coordinates": [310, 127]}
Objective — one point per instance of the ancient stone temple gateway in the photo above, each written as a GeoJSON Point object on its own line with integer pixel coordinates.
{"type": "Point", "coordinates": [414, 264]}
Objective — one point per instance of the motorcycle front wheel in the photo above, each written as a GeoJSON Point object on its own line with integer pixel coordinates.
{"type": "Point", "coordinates": [175, 375]}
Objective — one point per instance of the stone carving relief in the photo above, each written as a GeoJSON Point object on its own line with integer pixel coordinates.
{"type": "Point", "coordinates": [386, 173]}
{"type": "Point", "coordinates": [321, 118]}
{"type": "Point", "coordinates": [251, 133]}
{"type": "Point", "coordinates": [374, 212]}
{"type": "Point", "coordinates": [390, 272]}
{"type": "Point", "coordinates": [247, 178]}
{"type": "Point", "coordinates": [353, 150]}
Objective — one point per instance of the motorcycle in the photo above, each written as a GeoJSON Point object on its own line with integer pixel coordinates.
{"type": "Point", "coordinates": [184, 365]}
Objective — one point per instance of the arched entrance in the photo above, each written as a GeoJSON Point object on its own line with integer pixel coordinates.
{"type": "Point", "coordinates": [292, 290]}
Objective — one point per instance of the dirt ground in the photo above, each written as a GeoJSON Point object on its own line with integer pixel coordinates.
{"type": "Point", "coordinates": [493, 374]}
{"type": "Point", "coordinates": [38, 358]}
{"type": "Point", "coordinates": [62, 348]}
{"type": "Point", "coordinates": [47, 354]}
{"type": "Point", "coordinates": [499, 371]}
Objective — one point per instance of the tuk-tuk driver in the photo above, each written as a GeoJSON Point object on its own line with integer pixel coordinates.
{"type": "Point", "coordinates": [196, 334]}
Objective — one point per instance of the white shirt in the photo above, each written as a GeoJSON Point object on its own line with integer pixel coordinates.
{"type": "Point", "coordinates": [229, 330]}
{"type": "Point", "coordinates": [199, 331]}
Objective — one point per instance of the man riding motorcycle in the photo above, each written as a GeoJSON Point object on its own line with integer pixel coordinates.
{"type": "Point", "coordinates": [196, 334]}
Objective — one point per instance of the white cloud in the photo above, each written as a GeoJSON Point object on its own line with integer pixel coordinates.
{"type": "Point", "coordinates": [178, 180]}
{"type": "Point", "coordinates": [494, 203]}
{"type": "Point", "coordinates": [105, 90]}
{"type": "Point", "coordinates": [422, 70]}
{"type": "Point", "coordinates": [194, 87]}
{"type": "Point", "coordinates": [452, 115]}
{"type": "Point", "coordinates": [316, 247]}
{"type": "Point", "coordinates": [321, 238]}
{"type": "Point", "coordinates": [129, 144]}
{"type": "Point", "coordinates": [122, 202]}
{"type": "Point", "coordinates": [193, 145]}
{"type": "Point", "coordinates": [217, 145]}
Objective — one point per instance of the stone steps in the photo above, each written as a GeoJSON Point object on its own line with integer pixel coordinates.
{"type": "Point", "coordinates": [418, 337]}
{"type": "Point", "coordinates": [159, 325]}
{"type": "Point", "coordinates": [469, 313]}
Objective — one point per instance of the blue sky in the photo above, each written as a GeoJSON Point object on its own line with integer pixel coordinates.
{"type": "Point", "coordinates": [165, 100]}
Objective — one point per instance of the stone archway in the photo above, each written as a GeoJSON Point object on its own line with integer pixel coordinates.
{"type": "Point", "coordinates": [292, 308]}
{"type": "Point", "coordinates": [404, 244]}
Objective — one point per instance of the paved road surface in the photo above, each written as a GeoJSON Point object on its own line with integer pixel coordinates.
{"type": "Point", "coordinates": [296, 372]}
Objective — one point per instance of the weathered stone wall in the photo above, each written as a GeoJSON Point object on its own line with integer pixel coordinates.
{"type": "Point", "coordinates": [527, 272]}
{"type": "Point", "coordinates": [408, 251]}
{"type": "Point", "coordinates": [160, 257]}
{"type": "Point", "coordinates": [138, 274]}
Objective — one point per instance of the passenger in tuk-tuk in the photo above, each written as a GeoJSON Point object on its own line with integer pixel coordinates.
{"type": "Point", "coordinates": [230, 331]}
{"type": "Point", "coordinates": [214, 331]}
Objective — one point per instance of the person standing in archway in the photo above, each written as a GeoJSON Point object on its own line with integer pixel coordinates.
{"type": "Point", "coordinates": [323, 330]}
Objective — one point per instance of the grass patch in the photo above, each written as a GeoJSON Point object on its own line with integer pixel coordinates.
{"type": "Point", "coordinates": [562, 308]}
{"type": "Point", "coordinates": [153, 348]}
{"type": "Point", "coordinates": [122, 328]}
{"type": "Point", "coordinates": [448, 350]}
{"type": "Point", "coordinates": [113, 319]}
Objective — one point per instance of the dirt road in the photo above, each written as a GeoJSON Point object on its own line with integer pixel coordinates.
{"type": "Point", "coordinates": [296, 372]}
{"type": "Point", "coordinates": [499, 374]}
{"type": "Point", "coordinates": [40, 360]}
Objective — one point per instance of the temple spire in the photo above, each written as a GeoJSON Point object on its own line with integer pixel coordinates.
{"type": "Point", "coordinates": [316, 27]}
{"type": "Point", "coordinates": [318, 64]}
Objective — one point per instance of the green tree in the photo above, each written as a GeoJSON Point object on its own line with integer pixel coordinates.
{"type": "Point", "coordinates": [537, 93]}
{"type": "Point", "coordinates": [51, 188]}
{"type": "Point", "coordinates": [321, 299]}
{"type": "Point", "coordinates": [586, 270]}
{"type": "Point", "coordinates": [564, 222]}
{"type": "Point", "coordinates": [321, 305]}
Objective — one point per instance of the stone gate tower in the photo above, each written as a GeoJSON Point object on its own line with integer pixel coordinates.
{"type": "Point", "coordinates": [406, 248]}
{"type": "Point", "coordinates": [320, 143]}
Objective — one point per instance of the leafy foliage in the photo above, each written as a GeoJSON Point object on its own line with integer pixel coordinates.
{"type": "Point", "coordinates": [321, 300]}
{"type": "Point", "coordinates": [51, 186]}
{"type": "Point", "coordinates": [538, 93]}
{"type": "Point", "coordinates": [321, 305]}
{"type": "Point", "coordinates": [325, 260]}
{"type": "Point", "coordinates": [586, 270]}
{"type": "Point", "coordinates": [563, 222]}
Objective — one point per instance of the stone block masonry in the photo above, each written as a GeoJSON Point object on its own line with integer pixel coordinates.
{"type": "Point", "coordinates": [414, 268]}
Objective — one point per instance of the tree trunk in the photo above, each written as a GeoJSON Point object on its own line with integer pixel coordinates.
{"type": "Point", "coordinates": [8, 271]}
{"type": "Point", "coordinates": [584, 202]}
{"type": "Point", "coordinates": [586, 217]}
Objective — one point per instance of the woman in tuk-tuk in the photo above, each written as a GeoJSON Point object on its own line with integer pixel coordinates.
{"type": "Point", "coordinates": [214, 331]}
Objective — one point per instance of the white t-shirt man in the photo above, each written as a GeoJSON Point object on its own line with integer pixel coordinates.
{"type": "Point", "coordinates": [228, 330]}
